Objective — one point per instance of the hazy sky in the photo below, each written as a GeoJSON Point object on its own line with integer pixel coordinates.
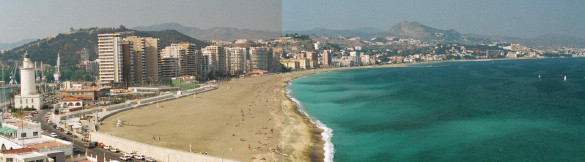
{"type": "Point", "coordinates": [38, 19]}
{"type": "Point", "coordinates": [524, 18]}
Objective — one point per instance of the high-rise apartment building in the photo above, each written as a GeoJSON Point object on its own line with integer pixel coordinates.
{"type": "Point", "coordinates": [127, 63]}
{"type": "Point", "coordinates": [217, 60]}
{"type": "Point", "coordinates": [210, 58]}
{"type": "Point", "coordinates": [169, 67]}
{"type": "Point", "coordinates": [178, 52]}
{"type": "Point", "coordinates": [192, 62]}
{"type": "Point", "coordinates": [327, 57]}
{"type": "Point", "coordinates": [275, 64]}
{"type": "Point", "coordinates": [110, 56]}
{"type": "Point", "coordinates": [146, 58]}
{"type": "Point", "coordinates": [204, 67]}
{"type": "Point", "coordinates": [152, 55]}
{"type": "Point", "coordinates": [237, 60]}
{"type": "Point", "coordinates": [259, 58]}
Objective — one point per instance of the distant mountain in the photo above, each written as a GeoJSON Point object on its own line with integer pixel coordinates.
{"type": "Point", "coordinates": [217, 33]}
{"type": "Point", "coordinates": [8, 46]}
{"type": "Point", "coordinates": [416, 30]}
{"type": "Point", "coordinates": [167, 26]}
{"type": "Point", "coordinates": [46, 50]}
{"type": "Point", "coordinates": [364, 33]}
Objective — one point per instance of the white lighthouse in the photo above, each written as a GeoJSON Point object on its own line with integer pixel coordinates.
{"type": "Point", "coordinates": [28, 98]}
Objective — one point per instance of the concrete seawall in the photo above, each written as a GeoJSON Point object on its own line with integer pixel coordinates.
{"type": "Point", "coordinates": [159, 153]}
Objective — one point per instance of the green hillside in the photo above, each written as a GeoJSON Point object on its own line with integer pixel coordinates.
{"type": "Point", "coordinates": [68, 44]}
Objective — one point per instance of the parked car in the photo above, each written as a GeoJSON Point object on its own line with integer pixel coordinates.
{"type": "Point", "coordinates": [131, 154]}
{"type": "Point", "coordinates": [139, 157]}
{"type": "Point", "coordinates": [114, 150]}
{"type": "Point", "coordinates": [90, 144]}
{"type": "Point", "coordinates": [61, 137]}
{"type": "Point", "coordinates": [107, 147]}
{"type": "Point", "coordinates": [150, 159]}
{"type": "Point", "coordinates": [54, 135]}
{"type": "Point", "coordinates": [76, 151]}
{"type": "Point", "coordinates": [101, 145]}
{"type": "Point", "coordinates": [125, 158]}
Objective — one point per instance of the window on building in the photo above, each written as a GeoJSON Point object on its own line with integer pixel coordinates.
{"type": "Point", "coordinates": [9, 160]}
{"type": "Point", "coordinates": [23, 135]}
{"type": "Point", "coordinates": [35, 134]}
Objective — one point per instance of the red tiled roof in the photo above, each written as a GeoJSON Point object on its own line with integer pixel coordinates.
{"type": "Point", "coordinates": [47, 145]}
{"type": "Point", "coordinates": [72, 99]}
{"type": "Point", "coordinates": [18, 151]}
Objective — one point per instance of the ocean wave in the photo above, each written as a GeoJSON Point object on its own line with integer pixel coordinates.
{"type": "Point", "coordinates": [327, 133]}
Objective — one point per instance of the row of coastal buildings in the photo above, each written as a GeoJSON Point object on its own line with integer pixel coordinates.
{"type": "Point", "coordinates": [321, 57]}
{"type": "Point", "coordinates": [138, 60]}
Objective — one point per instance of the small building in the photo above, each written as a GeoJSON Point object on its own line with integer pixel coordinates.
{"type": "Point", "coordinates": [86, 93]}
{"type": "Point", "coordinates": [292, 64]}
{"type": "Point", "coordinates": [259, 72]}
{"type": "Point", "coordinates": [69, 104]}
{"type": "Point", "coordinates": [22, 140]}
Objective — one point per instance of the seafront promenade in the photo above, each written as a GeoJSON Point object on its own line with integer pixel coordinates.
{"type": "Point", "coordinates": [105, 111]}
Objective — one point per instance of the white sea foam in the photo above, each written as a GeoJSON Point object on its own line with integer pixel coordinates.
{"type": "Point", "coordinates": [328, 147]}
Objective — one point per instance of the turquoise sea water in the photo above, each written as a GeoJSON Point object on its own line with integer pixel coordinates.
{"type": "Point", "coordinates": [454, 111]}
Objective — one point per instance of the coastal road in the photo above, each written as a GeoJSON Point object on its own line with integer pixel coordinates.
{"type": "Point", "coordinates": [40, 117]}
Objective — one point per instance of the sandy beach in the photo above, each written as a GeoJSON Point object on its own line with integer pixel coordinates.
{"type": "Point", "coordinates": [246, 119]}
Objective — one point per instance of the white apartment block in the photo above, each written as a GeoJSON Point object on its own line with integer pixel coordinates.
{"type": "Point", "coordinates": [178, 52]}
{"type": "Point", "coordinates": [237, 58]}
{"type": "Point", "coordinates": [218, 63]}
{"type": "Point", "coordinates": [110, 56]}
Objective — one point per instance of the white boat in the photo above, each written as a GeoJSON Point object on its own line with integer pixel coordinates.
{"type": "Point", "coordinates": [565, 78]}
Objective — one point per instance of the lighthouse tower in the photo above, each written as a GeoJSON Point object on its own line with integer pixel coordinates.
{"type": "Point", "coordinates": [28, 98]}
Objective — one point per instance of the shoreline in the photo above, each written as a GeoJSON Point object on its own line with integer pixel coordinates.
{"type": "Point", "coordinates": [321, 148]}
{"type": "Point", "coordinates": [317, 151]}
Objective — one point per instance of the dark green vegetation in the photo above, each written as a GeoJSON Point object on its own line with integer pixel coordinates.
{"type": "Point", "coordinates": [45, 50]}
